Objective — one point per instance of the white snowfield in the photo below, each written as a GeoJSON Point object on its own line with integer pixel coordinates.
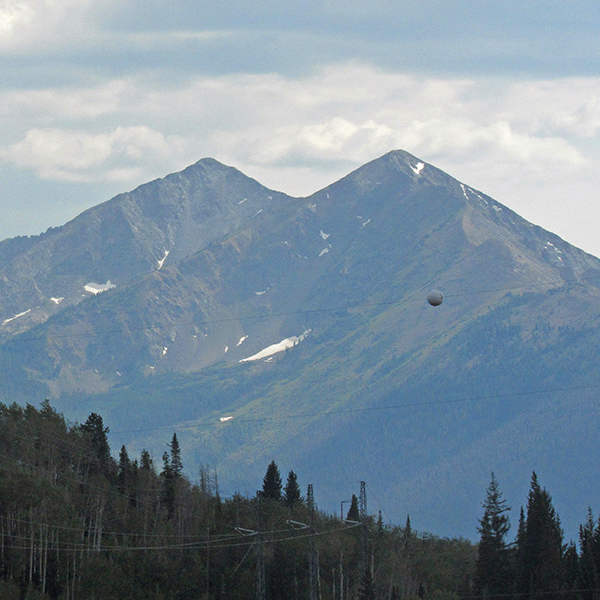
{"type": "Point", "coordinates": [98, 288]}
{"type": "Point", "coordinates": [161, 262]}
{"type": "Point", "coordinates": [417, 170]}
{"type": "Point", "coordinates": [15, 317]}
{"type": "Point", "coordinates": [280, 347]}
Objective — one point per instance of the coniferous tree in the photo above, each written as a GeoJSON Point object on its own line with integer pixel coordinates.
{"type": "Point", "coordinates": [292, 495]}
{"type": "Point", "coordinates": [96, 435]}
{"type": "Point", "coordinates": [272, 482]}
{"type": "Point", "coordinates": [176, 464]}
{"type": "Point", "coordinates": [171, 474]}
{"type": "Point", "coordinates": [571, 572]}
{"type": "Point", "coordinates": [588, 561]}
{"type": "Point", "coordinates": [540, 547]}
{"type": "Point", "coordinates": [146, 462]}
{"type": "Point", "coordinates": [408, 528]}
{"type": "Point", "coordinates": [124, 471]}
{"type": "Point", "coordinates": [353, 513]}
{"type": "Point", "coordinates": [493, 570]}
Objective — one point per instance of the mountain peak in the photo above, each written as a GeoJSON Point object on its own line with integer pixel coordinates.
{"type": "Point", "coordinates": [314, 307]}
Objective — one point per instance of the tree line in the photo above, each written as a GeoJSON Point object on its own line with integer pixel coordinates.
{"type": "Point", "coordinates": [538, 564]}
{"type": "Point", "coordinates": [76, 523]}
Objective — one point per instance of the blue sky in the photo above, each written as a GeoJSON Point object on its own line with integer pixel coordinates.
{"type": "Point", "coordinates": [98, 96]}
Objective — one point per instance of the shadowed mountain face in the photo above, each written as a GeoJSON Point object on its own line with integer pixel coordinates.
{"type": "Point", "coordinates": [205, 295]}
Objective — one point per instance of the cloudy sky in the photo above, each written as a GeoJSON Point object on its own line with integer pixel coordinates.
{"type": "Point", "coordinates": [99, 96]}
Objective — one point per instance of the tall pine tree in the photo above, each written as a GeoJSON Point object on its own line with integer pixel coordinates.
{"type": "Point", "coordinates": [292, 495]}
{"type": "Point", "coordinates": [353, 512]}
{"type": "Point", "coordinates": [588, 561]}
{"type": "Point", "coordinates": [540, 548]}
{"type": "Point", "coordinates": [493, 574]}
{"type": "Point", "coordinates": [272, 482]}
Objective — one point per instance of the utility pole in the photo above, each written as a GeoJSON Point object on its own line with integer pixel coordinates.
{"type": "Point", "coordinates": [313, 558]}
{"type": "Point", "coordinates": [342, 508]}
{"type": "Point", "coordinates": [261, 591]}
{"type": "Point", "coordinates": [362, 511]}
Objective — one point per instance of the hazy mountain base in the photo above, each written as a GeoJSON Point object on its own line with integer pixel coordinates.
{"type": "Point", "coordinates": [415, 444]}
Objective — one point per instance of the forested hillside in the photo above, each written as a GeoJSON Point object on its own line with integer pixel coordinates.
{"type": "Point", "coordinates": [77, 523]}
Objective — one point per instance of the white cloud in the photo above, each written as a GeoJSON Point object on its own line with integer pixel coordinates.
{"type": "Point", "coordinates": [349, 113]}
{"type": "Point", "coordinates": [529, 143]}
{"type": "Point", "coordinates": [122, 154]}
{"type": "Point", "coordinates": [14, 15]}
{"type": "Point", "coordinates": [67, 104]}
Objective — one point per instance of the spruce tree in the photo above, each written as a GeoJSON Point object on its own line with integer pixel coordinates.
{"type": "Point", "coordinates": [146, 462]}
{"type": "Point", "coordinates": [95, 433]}
{"type": "Point", "coordinates": [540, 547]}
{"type": "Point", "coordinates": [123, 474]}
{"type": "Point", "coordinates": [176, 464]}
{"type": "Point", "coordinates": [353, 513]}
{"type": "Point", "coordinates": [292, 494]}
{"type": "Point", "coordinates": [588, 561]}
{"type": "Point", "coordinates": [272, 482]}
{"type": "Point", "coordinates": [493, 569]}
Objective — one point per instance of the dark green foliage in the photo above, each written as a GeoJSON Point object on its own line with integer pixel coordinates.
{"type": "Point", "coordinates": [540, 549]}
{"type": "Point", "coordinates": [494, 570]}
{"type": "Point", "coordinates": [70, 529]}
{"type": "Point", "coordinates": [292, 495]}
{"type": "Point", "coordinates": [366, 590]}
{"type": "Point", "coordinates": [95, 434]}
{"type": "Point", "coordinates": [353, 513]}
{"type": "Point", "coordinates": [272, 482]}
{"type": "Point", "coordinates": [76, 523]}
{"type": "Point", "coordinates": [589, 561]}
{"type": "Point", "coordinates": [176, 464]}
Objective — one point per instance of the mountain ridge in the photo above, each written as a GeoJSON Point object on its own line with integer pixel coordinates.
{"type": "Point", "coordinates": [221, 269]}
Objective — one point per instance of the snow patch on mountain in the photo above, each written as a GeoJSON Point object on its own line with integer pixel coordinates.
{"type": "Point", "coordinates": [98, 288]}
{"type": "Point", "coordinates": [324, 235]}
{"type": "Point", "coordinates": [57, 300]}
{"type": "Point", "coordinates": [417, 170]}
{"type": "Point", "coordinates": [161, 262]}
{"type": "Point", "coordinates": [276, 348]}
{"type": "Point", "coordinates": [16, 317]}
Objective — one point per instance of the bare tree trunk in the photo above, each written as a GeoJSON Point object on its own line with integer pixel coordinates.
{"type": "Point", "coordinates": [31, 544]}
{"type": "Point", "coordinates": [342, 575]}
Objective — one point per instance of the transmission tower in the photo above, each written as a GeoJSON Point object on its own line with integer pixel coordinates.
{"type": "Point", "coordinates": [362, 511]}
{"type": "Point", "coordinates": [362, 501]}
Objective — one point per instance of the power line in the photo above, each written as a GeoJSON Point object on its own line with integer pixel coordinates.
{"type": "Point", "coordinates": [197, 545]}
{"type": "Point", "coordinates": [299, 312]}
{"type": "Point", "coordinates": [483, 397]}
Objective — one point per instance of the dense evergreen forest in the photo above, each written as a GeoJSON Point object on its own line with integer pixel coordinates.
{"type": "Point", "coordinates": [77, 524]}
